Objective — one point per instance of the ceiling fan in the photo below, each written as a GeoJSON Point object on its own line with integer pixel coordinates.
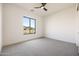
{"type": "Point", "coordinates": [77, 7]}
{"type": "Point", "coordinates": [42, 6]}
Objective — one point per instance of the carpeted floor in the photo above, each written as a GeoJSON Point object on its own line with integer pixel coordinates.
{"type": "Point", "coordinates": [41, 47]}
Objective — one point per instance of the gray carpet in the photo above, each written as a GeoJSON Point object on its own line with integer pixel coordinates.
{"type": "Point", "coordinates": [41, 47]}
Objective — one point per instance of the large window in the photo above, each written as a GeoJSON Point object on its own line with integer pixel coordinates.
{"type": "Point", "coordinates": [29, 25]}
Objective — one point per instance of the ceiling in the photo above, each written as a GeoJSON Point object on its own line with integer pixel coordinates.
{"type": "Point", "coordinates": [52, 7]}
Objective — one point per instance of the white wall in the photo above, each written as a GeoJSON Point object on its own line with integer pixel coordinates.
{"type": "Point", "coordinates": [0, 26]}
{"type": "Point", "coordinates": [12, 24]}
{"type": "Point", "coordinates": [61, 25]}
{"type": "Point", "coordinates": [77, 29]}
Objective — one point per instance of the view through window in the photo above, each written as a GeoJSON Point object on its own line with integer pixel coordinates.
{"type": "Point", "coordinates": [29, 25]}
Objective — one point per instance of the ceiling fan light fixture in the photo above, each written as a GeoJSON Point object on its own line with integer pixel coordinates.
{"type": "Point", "coordinates": [42, 7]}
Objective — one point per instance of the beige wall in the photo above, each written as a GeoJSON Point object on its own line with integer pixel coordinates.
{"type": "Point", "coordinates": [12, 24]}
{"type": "Point", "coordinates": [0, 26]}
{"type": "Point", "coordinates": [61, 25]}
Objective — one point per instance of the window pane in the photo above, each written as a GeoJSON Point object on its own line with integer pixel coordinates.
{"type": "Point", "coordinates": [32, 27]}
{"type": "Point", "coordinates": [26, 22]}
{"type": "Point", "coordinates": [32, 23]}
{"type": "Point", "coordinates": [26, 25]}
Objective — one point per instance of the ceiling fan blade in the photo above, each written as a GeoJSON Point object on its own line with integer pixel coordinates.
{"type": "Point", "coordinates": [37, 7]}
{"type": "Point", "coordinates": [77, 7]}
{"type": "Point", "coordinates": [43, 4]}
{"type": "Point", "coordinates": [45, 9]}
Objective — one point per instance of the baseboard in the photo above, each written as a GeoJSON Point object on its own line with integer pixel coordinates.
{"type": "Point", "coordinates": [61, 40]}
{"type": "Point", "coordinates": [23, 41]}
{"type": "Point", "coordinates": [34, 39]}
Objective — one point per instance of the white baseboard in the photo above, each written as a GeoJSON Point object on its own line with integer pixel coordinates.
{"type": "Point", "coordinates": [22, 41]}
{"type": "Point", "coordinates": [61, 40]}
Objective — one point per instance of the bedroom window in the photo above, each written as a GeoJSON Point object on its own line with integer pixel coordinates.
{"type": "Point", "coordinates": [29, 25]}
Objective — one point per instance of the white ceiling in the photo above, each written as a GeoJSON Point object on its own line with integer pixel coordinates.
{"type": "Point", "coordinates": [52, 7]}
